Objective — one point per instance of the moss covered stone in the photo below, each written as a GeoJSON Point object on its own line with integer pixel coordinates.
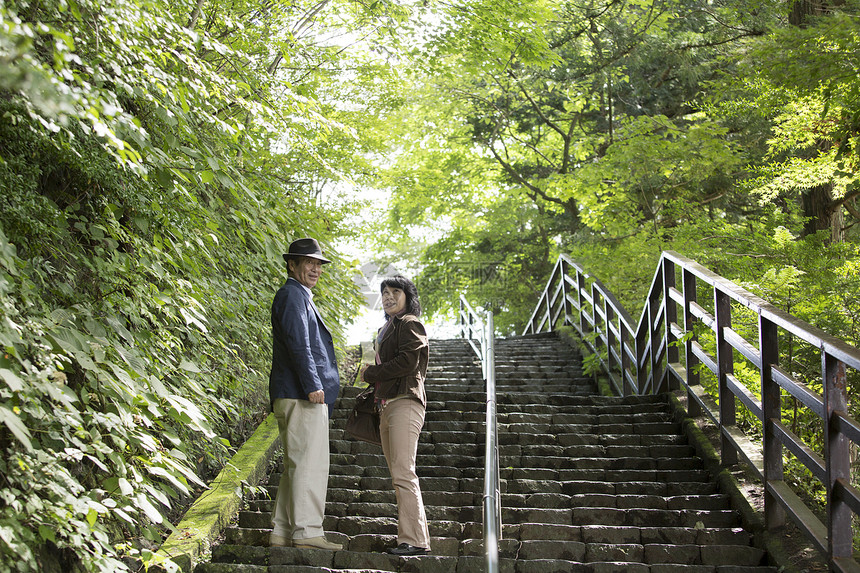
{"type": "Point", "coordinates": [211, 513]}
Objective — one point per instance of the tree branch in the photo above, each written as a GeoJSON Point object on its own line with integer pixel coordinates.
{"type": "Point", "coordinates": [849, 207]}
{"type": "Point", "coordinates": [299, 29]}
{"type": "Point", "coordinates": [536, 107]}
{"type": "Point", "coordinates": [195, 15]}
{"type": "Point", "coordinates": [509, 169]}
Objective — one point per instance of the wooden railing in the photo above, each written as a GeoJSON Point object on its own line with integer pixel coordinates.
{"type": "Point", "coordinates": [680, 342]}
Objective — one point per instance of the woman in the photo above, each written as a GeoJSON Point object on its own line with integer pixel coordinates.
{"type": "Point", "coordinates": [402, 352]}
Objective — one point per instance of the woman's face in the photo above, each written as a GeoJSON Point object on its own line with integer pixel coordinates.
{"type": "Point", "coordinates": [393, 301]}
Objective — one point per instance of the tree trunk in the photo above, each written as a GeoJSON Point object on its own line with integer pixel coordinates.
{"type": "Point", "coordinates": [822, 213]}
{"type": "Point", "coordinates": [818, 207]}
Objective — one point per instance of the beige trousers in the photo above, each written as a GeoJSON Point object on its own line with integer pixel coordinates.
{"type": "Point", "coordinates": [300, 503]}
{"type": "Point", "coordinates": [400, 426]}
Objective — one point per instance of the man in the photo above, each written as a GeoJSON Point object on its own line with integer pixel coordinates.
{"type": "Point", "coordinates": [303, 386]}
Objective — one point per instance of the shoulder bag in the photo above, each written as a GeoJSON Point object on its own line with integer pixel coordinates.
{"type": "Point", "coordinates": [363, 422]}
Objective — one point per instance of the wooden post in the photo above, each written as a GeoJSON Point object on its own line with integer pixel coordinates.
{"type": "Point", "coordinates": [725, 365]}
{"type": "Point", "coordinates": [564, 300]}
{"type": "Point", "coordinates": [639, 352]}
{"type": "Point", "coordinates": [580, 300]}
{"type": "Point", "coordinates": [546, 293]}
{"type": "Point", "coordinates": [691, 361]}
{"type": "Point", "coordinates": [837, 456]}
{"type": "Point", "coordinates": [653, 311]}
{"type": "Point", "coordinates": [771, 405]}
{"type": "Point", "coordinates": [671, 316]}
{"type": "Point", "coordinates": [626, 389]}
{"type": "Point", "coordinates": [596, 329]}
{"type": "Point", "coordinates": [611, 342]}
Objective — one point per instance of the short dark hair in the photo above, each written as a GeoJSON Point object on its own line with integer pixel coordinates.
{"type": "Point", "coordinates": [413, 305]}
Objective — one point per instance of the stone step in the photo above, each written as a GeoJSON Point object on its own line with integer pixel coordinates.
{"type": "Point", "coordinates": [560, 420]}
{"type": "Point", "coordinates": [532, 362]}
{"type": "Point", "coordinates": [511, 442]}
{"type": "Point", "coordinates": [458, 478]}
{"type": "Point", "coordinates": [365, 553]}
{"type": "Point", "coordinates": [545, 429]}
{"type": "Point", "coordinates": [432, 468]}
{"type": "Point", "coordinates": [590, 509]}
{"type": "Point", "coordinates": [435, 513]}
{"type": "Point", "coordinates": [632, 545]}
{"type": "Point", "coordinates": [537, 365]}
{"type": "Point", "coordinates": [506, 387]}
{"type": "Point", "coordinates": [594, 534]}
{"type": "Point", "coordinates": [661, 469]}
{"type": "Point", "coordinates": [567, 404]}
{"type": "Point", "coordinates": [669, 476]}
{"type": "Point", "coordinates": [524, 451]}
{"type": "Point", "coordinates": [471, 480]}
{"type": "Point", "coordinates": [516, 402]}
{"type": "Point", "coordinates": [561, 463]}
{"type": "Point", "coordinates": [636, 517]}
{"type": "Point", "coordinates": [594, 440]}
{"type": "Point", "coordinates": [714, 502]}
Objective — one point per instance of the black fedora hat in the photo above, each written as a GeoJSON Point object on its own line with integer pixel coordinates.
{"type": "Point", "coordinates": [305, 248]}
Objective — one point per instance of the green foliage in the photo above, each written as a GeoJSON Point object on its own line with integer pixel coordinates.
{"type": "Point", "coordinates": [819, 63]}
{"type": "Point", "coordinates": [156, 159]}
{"type": "Point", "coordinates": [591, 113]}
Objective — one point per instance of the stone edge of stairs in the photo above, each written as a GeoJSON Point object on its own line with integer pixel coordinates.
{"type": "Point", "coordinates": [211, 513]}
{"type": "Point", "coordinates": [752, 520]}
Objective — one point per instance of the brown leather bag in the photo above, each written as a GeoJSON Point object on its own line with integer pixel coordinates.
{"type": "Point", "coordinates": [363, 421]}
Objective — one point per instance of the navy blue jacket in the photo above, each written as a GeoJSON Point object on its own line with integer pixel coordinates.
{"type": "Point", "coordinates": [303, 359]}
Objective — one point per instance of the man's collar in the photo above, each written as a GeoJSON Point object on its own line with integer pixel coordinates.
{"type": "Point", "coordinates": [307, 290]}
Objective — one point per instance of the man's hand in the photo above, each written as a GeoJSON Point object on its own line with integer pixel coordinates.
{"type": "Point", "coordinates": [317, 397]}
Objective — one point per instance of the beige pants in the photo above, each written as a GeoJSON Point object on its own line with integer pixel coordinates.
{"type": "Point", "coordinates": [300, 503]}
{"type": "Point", "coordinates": [400, 425]}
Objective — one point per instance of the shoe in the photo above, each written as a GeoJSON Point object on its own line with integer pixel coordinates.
{"type": "Point", "coordinates": [405, 550]}
{"type": "Point", "coordinates": [317, 543]}
{"type": "Point", "coordinates": [279, 541]}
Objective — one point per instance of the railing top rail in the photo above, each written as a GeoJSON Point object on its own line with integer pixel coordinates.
{"type": "Point", "coordinates": [607, 295]}
{"type": "Point", "coordinates": [812, 335]}
{"type": "Point", "coordinates": [803, 330]}
{"type": "Point", "coordinates": [465, 302]}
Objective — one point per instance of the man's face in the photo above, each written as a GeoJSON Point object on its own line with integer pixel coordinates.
{"type": "Point", "coordinates": [306, 270]}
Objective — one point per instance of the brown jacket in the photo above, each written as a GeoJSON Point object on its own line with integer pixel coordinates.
{"type": "Point", "coordinates": [403, 354]}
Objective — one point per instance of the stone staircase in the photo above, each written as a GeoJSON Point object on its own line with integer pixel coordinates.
{"type": "Point", "coordinates": [589, 483]}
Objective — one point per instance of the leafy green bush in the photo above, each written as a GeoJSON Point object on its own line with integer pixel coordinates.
{"type": "Point", "coordinates": [142, 222]}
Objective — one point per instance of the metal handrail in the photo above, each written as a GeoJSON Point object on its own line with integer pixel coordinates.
{"type": "Point", "coordinates": [664, 352]}
{"type": "Point", "coordinates": [470, 325]}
